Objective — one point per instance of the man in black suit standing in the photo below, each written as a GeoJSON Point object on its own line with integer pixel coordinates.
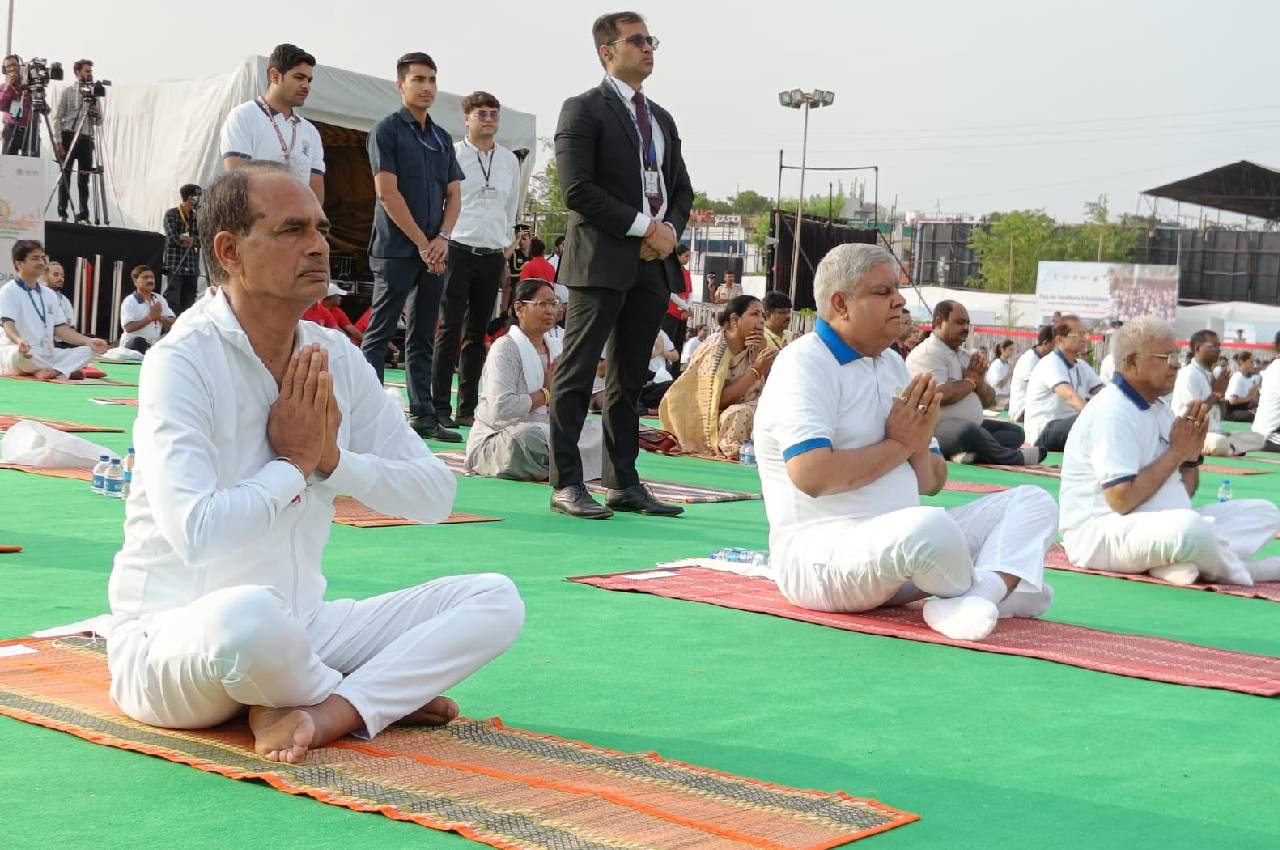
{"type": "Point", "coordinates": [629, 197]}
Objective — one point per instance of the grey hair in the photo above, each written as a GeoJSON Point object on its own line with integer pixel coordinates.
{"type": "Point", "coordinates": [1128, 338]}
{"type": "Point", "coordinates": [842, 269]}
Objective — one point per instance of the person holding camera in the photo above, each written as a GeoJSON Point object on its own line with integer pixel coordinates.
{"type": "Point", "coordinates": [77, 108]}
{"type": "Point", "coordinates": [15, 103]}
{"type": "Point", "coordinates": [182, 250]}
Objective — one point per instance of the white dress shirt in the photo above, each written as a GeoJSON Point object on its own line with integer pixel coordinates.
{"type": "Point", "coordinates": [641, 225]}
{"type": "Point", "coordinates": [212, 507]}
{"type": "Point", "coordinates": [135, 309]}
{"type": "Point", "coordinates": [488, 217]}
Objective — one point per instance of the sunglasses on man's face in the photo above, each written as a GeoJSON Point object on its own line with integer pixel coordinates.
{"type": "Point", "coordinates": [639, 40]}
{"type": "Point", "coordinates": [485, 114]}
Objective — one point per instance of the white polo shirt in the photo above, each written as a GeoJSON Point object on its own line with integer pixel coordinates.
{"type": "Point", "coordinates": [1043, 404]}
{"type": "Point", "coordinates": [1193, 384]}
{"type": "Point", "coordinates": [1018, 386]}
{"type": "Point", "coordinates": [255, 130]}
{"type": "Point", "coordinates": [34, 312]}
{"type": "Point", "coordinates": [133, 309]}
{"type": "Point", "coordinates": [1266, 420]}
{"type": "Point", "coordinates": [1241, 385]}
{"type": "Point", "coordinates": [823, 394]}
{"type": "Point", "coordinates": [1117, 435]}
{"type": "Point", "coordinates": [490, 196]}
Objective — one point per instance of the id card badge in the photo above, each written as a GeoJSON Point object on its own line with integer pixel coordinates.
{"type": "Point", "coordinates": [488, 193]}
{"type": "Point", "coordinates": [651, 187]}
{"type": "Point", "coordinates": [15, 108]}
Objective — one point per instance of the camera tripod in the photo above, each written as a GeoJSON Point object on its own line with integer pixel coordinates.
{"type": "Point", "coordinates": [88, 128]}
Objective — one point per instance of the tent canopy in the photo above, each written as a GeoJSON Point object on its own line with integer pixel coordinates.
{"type": "Point", "coordinates": [157, 136]}
{"type": "Point", "coordinates": [1242, 187]}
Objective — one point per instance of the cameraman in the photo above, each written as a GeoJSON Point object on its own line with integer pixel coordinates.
{"type": "Point", "coordinates": [71, 116]}
{"type": "Point", "coordinates": [15, 103]}
{"type": "Point", "coordinates": [182, 250]}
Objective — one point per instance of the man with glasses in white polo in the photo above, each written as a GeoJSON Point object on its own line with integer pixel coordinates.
{"type": "Point", "coordinates": [1059, 387]}
{"type": "Point", "coordinates": [481, 239]}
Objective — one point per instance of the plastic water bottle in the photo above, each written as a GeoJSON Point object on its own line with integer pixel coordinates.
{"type": "Point", "coordinates": [759, 561]}
{"type": "Point", "coordinates": [1224, 490]}
{"type": "Point", "coordinates": [129, 460]}
{"type": "Point", "coordinates": [747, 453]}
{"type": "Point", "coordinates": [99, 471]}
{"type": "Point", "coordinates": [113, 480]}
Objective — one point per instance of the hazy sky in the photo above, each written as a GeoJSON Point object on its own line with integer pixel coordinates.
{"type": "Point", "coordinates": [966, 107]}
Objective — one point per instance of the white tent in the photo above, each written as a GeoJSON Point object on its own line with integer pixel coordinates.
{"type": "Point", "coordinates": [1231, 320]}
{"type": "Point", "coordinates": [158, 136]}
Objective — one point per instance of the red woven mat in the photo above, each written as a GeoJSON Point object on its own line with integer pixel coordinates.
{"type": "Point", "coordinates": [1137, 656]}
{"type": "Point", "coordinates": [349, 511]}
{"type": "Point", "coordinates": [82, 382]}
{"type": "Point", "coordinates": [1232, 470]}
{"type": "Point", "coordinates": [7, 421]}
{"type": "Point", "coordinates": [52, 471]}
{"type": "Point", "coordinates": [1270, 590]}
{"type": "Point", "coordinates": [973, 487]}
{"type": "Point", "coordinates": [1038, 469]}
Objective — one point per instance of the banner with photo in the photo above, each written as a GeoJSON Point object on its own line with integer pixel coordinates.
{"type": "Point", "coordinates": [1100, 293]}
{"type": "Point", "coordinates": [22, 200]}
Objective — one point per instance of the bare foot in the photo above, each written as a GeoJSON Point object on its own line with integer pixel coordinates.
{"type": "Point", "coordinates": [438, 712]}
{"type": "Point", "coordinates": [281, 734]}
{"type": "Point", "coordinates": [45, 374]}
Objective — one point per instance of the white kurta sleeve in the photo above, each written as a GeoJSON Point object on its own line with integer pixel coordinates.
{"type": "Point", "coordinates": [384, 464]}
{"type": "Point", "coordinates": [195, 515]}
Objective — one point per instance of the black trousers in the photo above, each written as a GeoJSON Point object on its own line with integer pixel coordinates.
{"type": "Point", "coordinates": [180, 291]}
{"type": "Point", "coordinates": [991, 440]}
{"type": "Point", "coordinates": [82, 156]}
{"type": "Point", "coordinates": [626, 322]}
{"type": "Point", "coordinates": [676, 330]}
{"type": "Point", "coordinates": [394, 280]}
{"type": "Point", "coordinates": [1054, 436]}
{"type": "Point", "coordinates": [139, 344]}
{"type": "Point", "coordinates": [470, 288]}
{"type": "Point", "coordinates": [15, 139]}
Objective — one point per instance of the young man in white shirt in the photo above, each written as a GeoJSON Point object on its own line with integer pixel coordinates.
{"type": "Point", "coordinates": [1196, 381]}
{"type": "Point", "coordinates": [144, 315]}
{"type": "Point", "coordinates": [249, 423]}
{"type": "Point", "coordinates": [963, 434]}
{"type": "Point", "coordinates": [1059, 387]}
{"type": "Point", "coordinates": [55, 277]}
{"type": "Point", "coordinates": [1242, 390]}
{"type": "Point", "coordinates": [1131, 468]}
{"type": "Point", "coordinates": [1022, 372]}
{"type": "Point", "coordinates": [691, 345]}
{"type": "Point", "coordinates": [843, 441]}
{"type": "Point", "coordinates": [1266, 420]}
{"type": "Point", "coordinates": [31, 319]}
{"type": "Point", "coordinates": [269, 127]}
{"type": "Point", "coordinates": [478, 245]}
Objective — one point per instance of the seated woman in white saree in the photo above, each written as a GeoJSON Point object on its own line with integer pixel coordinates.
{"type": "Point", "coordinates": [511, 437]}
{"type": "Point", "coordinates": [711, 407]}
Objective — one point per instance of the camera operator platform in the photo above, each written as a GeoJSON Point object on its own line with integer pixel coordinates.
{"type": "Point", "coordinates": [79, 121]}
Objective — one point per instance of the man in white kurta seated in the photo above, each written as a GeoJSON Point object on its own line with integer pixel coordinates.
{"type": "Point", "coordinates": [31, 318]}
{"type": "Point", "coordinates": [511, 437]}
{"type": "Point", "coordinates": [249, 423]}
{"type": "Point", "coordinates": [842, 438]}
{"type": "Point", "coordinates": [1059, 387]}
{"type": "Point", "coordinates": [1196, 380]}
{"type": "Point", "coordinates": [144, 315]}
{"type": "Point", "coordinates": [1022, 369]}
{"type": "Point", "coordinates": [1131, 468]}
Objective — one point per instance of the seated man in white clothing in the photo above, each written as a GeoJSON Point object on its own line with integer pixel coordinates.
{"type": "Point", "coordinates": [842, 438]}
{"type": "Point", "coordinates": [1266, 419]}
{"type": "Point", "coordinates": [31, 319]}
{"type": "Point", "coordinates": [249, 423]}
{"type": "Point", "coordinates": [1241, 397]}
{"type": "Point", "coordinates": [1022, 372]}
{"type": "Point", "coordinates": [1196, 381]}
{"type": "Point", "coordinates": [144, 315]}
{"type": "Point", "coordinates": [55, 277]}
{"type": "Point", "coordinates": [1059, 387]}
{"type": "Point", "coordinates": [1131, 468]}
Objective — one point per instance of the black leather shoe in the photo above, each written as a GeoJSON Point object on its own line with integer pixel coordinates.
{"type": "Point", "coordinates": [433, 430]}
{"type": "Point", "coordinates": [639, 500]}
{"type": "Point", "coordinates": [446, 420]}
{"type": "Point", "coordinates": [574, 500]}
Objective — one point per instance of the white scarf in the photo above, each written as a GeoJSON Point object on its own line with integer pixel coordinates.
{"type": "Point", "coordinates": [534, 371]}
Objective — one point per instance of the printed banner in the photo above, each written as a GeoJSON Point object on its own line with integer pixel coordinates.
{"type": "Point", "coordinates": [21, 205]}
{"type": "Point", "coordinates": [1106, 292]}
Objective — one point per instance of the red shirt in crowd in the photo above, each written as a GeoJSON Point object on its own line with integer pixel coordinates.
{"type": "Point", "coordinates": [538, 267]}
{"type": "Point", "coordinates": [362, 323]}
{"type": "Point", "coordinates": [687, 295]}
{"type": "Point", "coordinates": [321, 315]}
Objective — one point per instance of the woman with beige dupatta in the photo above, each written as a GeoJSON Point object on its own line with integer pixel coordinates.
{"type": "Point", "coordinates": [711, 407]}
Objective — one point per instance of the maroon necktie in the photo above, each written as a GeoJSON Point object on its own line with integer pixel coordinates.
{"type": "Point", "coordinates": [646, 142]}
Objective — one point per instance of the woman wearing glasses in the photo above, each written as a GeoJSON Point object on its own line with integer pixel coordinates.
{"type": "Point", "coordinates": [511, 437]}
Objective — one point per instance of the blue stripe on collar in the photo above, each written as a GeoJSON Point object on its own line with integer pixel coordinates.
{"type": "Point", "coordinates": [1130, 393]}
{"type": "Point", "coordinates": [840, 349]}
{"type": "Point", "coordinates": [1058, 351]}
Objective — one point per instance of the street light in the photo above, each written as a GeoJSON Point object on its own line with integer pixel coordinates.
{"type": "Point", "coordinates": [799, 99]}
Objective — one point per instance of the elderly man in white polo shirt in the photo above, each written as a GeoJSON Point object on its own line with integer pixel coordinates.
{"type": "Point", "coordinates": [1059, 387]}
{"type": "Point", "coordinates": [1131, 467]}
{"type": "Point", "coordinates": [843, 445]}
{"type": "Point", "coordinates": [269, 128]}
{"type": "Point", "coordinates": [249, 423]}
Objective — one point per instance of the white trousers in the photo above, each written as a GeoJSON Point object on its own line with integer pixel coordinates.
{"type": "Point", "coordinates": [857, 565]}
{"type": "Point", "coordinates": [201, 664]}
{"type": "Point", "coordinates": [64, 361]}
{"type": "Point", "coordinates": [1217, 538]}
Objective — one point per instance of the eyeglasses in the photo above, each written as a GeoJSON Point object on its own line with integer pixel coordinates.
{"type": "Point", "coordinates": [545, 303]}
{"type": "Point", "coordinates": [485, 114]}
{"type": "Point", "coordinates": [639, 40]}
{"type": "Point", "coordinates": [1172, 359]}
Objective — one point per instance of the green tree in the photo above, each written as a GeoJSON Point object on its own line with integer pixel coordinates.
{"type": "Point", "coordinates": [545, 201]}
{"type": "Point", "coordinates": [1099, 239]}
{"type": "Point", "coordinates": [1032, 236]}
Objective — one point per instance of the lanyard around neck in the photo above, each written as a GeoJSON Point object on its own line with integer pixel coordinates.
{"type": "Point", "coordinates": [293, 131]}
{"type": "Point", "coordinates": [37, 306]}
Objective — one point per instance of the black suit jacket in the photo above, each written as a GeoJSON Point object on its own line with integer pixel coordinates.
{"type": "Point", "coordinates": [598, 160]}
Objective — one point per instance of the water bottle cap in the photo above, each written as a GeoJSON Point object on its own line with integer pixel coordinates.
{"type": "Point", "coordinates": [130, 449]}
{"type": "Point", "coordinates": [104, 457]}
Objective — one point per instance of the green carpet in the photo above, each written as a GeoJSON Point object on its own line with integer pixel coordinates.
{"type": "Point", "coordinates": [992, 751]}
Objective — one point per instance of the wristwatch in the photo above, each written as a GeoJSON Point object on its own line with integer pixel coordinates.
{"type": "Point", "coordinates": [443, 234]}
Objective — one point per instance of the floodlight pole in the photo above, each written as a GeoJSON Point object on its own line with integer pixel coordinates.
{"type": "Point", "coordinates": [8, 37]}
{"type": "Point", "coordinates": [795, 250]}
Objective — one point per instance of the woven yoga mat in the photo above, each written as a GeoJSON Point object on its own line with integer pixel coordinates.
{"type": "Point", "coordinates": [349, 511]}
{"type": "Point", "coordinates": [124, 402]}
{"type": "Point", "coordinates": [82, 382]}
{"type": "Point", "coordinates": [1269, 590]}
{"type": "Point", "coordinates": [496, 785]}
{"type": "Point", "coordinates": [972, 487]}
{"type": "Point", "coordinates": [663, 491]}
{"type": "Point", "coordinates": [1038, 469]}
{"type": "Point", "coordinates": [1232, 470]}
{"type": "Point", "coordinates": [1137, 656]}
{"type": "Point", "coordinates": [7, 421]}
